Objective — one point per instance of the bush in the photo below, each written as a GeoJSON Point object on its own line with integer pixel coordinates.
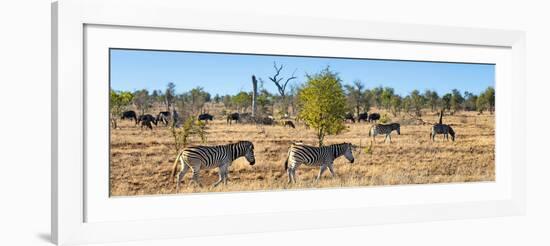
{"type": "Point", "coordinates": [385, 119]}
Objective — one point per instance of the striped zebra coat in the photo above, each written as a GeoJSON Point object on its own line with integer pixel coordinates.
{"type": "Point", "coordinates": [322, 157]}
{"type": "Point", "coordinates": [385, 129]}
{"type": "Point", "coordinates": [209, 157]}
{"type": "Point", "coordinates": [446, 130]}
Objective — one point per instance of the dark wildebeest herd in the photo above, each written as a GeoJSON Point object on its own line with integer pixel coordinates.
{"type": "Point", "coordinates": [221, 156]}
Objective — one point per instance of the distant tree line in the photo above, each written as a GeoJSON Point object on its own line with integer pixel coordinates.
{"type": "Point", "coordinates": [360, 100]}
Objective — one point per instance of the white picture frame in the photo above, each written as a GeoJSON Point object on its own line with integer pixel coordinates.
{"type": "Point", "coordinates": [81, 213]}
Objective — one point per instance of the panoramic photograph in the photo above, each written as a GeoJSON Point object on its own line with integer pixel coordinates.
{"type": "Point", "coordinates": [185, 122]}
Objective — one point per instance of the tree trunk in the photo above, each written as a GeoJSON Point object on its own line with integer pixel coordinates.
{"type": "Point", "coordinates": [321, 136]}
{"type": "Point", "coordinates": [254, 95]}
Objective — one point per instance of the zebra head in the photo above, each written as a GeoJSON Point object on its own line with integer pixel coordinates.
{"type": "Point", "coordinates": [248, 148]}
{"type": "Point", "coordinates": [348, 152]}
{"type": "Point", "coordinates": [452, 133]}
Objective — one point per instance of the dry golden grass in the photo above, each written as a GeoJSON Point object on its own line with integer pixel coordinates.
{"type": "Point", "coordinates": [141, 161]}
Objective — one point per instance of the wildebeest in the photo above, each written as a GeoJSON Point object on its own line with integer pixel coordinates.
{"type": "Point", "coordinates": [289, 124]}
{"type": "Point", "coordinates": [233, 117]}
{"type": "Point", "coordinates": [362, 117]}
{"type": "Point", "coordinates": [349, 117]}
{"type": "Point", "coordinates": [146, 121]}
{"type": "Point", "coordinates": [163, 117]}
{"type": "Point", "coordinates": [265, 121]}
{"type": "Point", "coordinates": [374, 117]}
{"type": "Point", "coordinates": [130, 115]}
{"type": "Point", "coordinates": [206, 117]}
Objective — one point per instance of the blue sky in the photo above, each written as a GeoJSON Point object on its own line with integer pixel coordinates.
{"type": "Point", "coordinates": [230, 73]}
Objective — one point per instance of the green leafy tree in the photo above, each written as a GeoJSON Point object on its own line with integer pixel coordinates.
{"type": "Point", "coordinates": [368, 100]}
{"type": "Point", "coordinates": [406, 104]}
{"type": "Point", "coordinates": [142, 100]}
{"type": "Point", "coordinates": [432, 99]}
{"type": "Point", "coordinates": [217, 98]}
{"type": "Point", "coordinates": [470, 101]}
{"type": "Point", "coordinates": [386, 97]}
{"type": "Point", "coordinates": [265, 100]}
{"type": "Point", "coordinates": [242, 100]}
{"type": "Point", "coordinates": [481, 103]}
{"type": "Point", "coordinates": [323, 104]}
{"type": "Point", "coordinates": [486, 100]}
{"type": "Point", "coordinates": [377, 96]}
{"type": "Point", "coordinates": [446, 100]}
{"type": "Point", "coordinates": [417, 102]}
{"type": "Point", "coordinates": [456, 100]}
{"type": "Point", "coordinates": [355, 96]}
{"type": "Point", "coordinates": [396, 102]}
{"type": "Point", "coordinates": [118, 102]}
{"type": "Point", "coordinates": [490, 97]}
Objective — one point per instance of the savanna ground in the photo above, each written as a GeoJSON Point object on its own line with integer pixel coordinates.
{"type": "Point", "coordinates": [142, 160]}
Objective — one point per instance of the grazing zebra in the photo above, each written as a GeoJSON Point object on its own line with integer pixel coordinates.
{"type": "Point", "coordinates": [209, 157]}
{"type": "Point", "coordinates": [384, 129]}
{"type": "Point", "coordinates": [446, 130]}
{"type": "Point", "coordinates": [322, 157]}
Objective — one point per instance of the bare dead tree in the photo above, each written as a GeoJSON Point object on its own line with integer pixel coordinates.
{"type": "Point", "coordinates": [281, 86]}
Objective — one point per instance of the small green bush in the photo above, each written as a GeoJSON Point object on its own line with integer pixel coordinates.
{"type": "Point", "coordinates": [385, 118]}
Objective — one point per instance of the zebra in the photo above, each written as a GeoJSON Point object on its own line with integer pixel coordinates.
{"type": "Point", "coordinates": [384, 129]}
{"type": "Point", "coordinates": [444, 129]}
{"type": "Point", "coordinates": [209, 157]}
{"type": "Point", "coordinates": [322, 157]}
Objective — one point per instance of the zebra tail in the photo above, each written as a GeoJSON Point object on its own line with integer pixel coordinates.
{"type": "Point", "coordinates": [175, 168]}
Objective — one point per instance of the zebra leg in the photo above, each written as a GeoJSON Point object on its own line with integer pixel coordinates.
{"type": "Point", "coordinates": [181, 174]}
{"type": "Point", "coordinates": [331, 169]}
{"type": "Point", "coordinates": [225, 176]}
{"type": "Point", "coordinates": [220, 173]}
{"type": "Point", "coordinates": [321, 171]}
{"type": "Point", "coordinates": [196, 176]}
{"type": "Point", "coordinates": [289, 171]}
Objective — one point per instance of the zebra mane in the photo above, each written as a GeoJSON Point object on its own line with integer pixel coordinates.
{"type": "Point", "coordinates": [339, 149]}
{"type": "Point", "coordinates": [239, 148]}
